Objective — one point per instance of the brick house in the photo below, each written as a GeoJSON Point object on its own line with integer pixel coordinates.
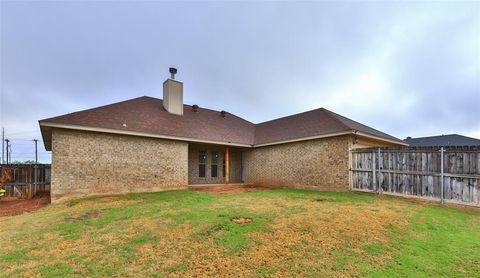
{"type": "Point", "coordinates": [148, 144]}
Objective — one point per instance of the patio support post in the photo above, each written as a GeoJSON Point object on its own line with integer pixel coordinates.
{"type": "Point", "coordinates": [227, 164]}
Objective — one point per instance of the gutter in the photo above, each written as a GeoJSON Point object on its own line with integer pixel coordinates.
{"type": "Point", "coordinates": [136, 133]}
{"type": "Point", "coordinates": [178, 138]}
{"type": "Point", "coordinates": [304, 139]}
{"type": "Point", "coordinates": [380, 138]}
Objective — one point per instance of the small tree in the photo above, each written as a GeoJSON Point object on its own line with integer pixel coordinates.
{"type": "Point", "coordinates": [23, 162]}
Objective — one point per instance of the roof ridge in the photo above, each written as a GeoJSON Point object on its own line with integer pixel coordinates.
{"type": "Point", "coordinates": [213, 110]}
{"type": "Point", "coordinates": [443, 135]}
{"type": "Point", "coordinates": [206, 108]}
{"type": "Point", "coordinates": [335, 116]}
{"type": "Point", "coordinates": [292, 115]}
{"type": "Point", "coordinates": [339, 117]}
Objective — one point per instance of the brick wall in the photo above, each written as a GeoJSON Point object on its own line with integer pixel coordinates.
{"type": "Point", "coordinates": [320, 163]}
{"type": "Point", "coordinates": [90, 163]}
{"type": "Point", "coordinates": [193, 158]}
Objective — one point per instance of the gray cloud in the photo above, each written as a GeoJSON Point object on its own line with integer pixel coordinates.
{"type": "Point", "coordinates": [410, 69]}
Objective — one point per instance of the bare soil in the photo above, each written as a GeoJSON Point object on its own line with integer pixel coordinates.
{"type": "Point", "coordinates": [9, 207]}
{"type": "Point", "coordinates": [241, 220]}
{"type": "Point", "coordinates": [88, 215]}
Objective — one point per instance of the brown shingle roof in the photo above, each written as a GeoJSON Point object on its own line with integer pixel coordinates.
{"type": "Point", "coordinates": [147, 115]}
{"type": "Point", "coordinates": [309, 124]}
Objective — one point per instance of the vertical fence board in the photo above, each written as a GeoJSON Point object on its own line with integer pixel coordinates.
{"type": "Point", "coordinates": [416, 172]}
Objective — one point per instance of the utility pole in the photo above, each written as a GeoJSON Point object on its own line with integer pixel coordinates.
{"type": "Point", "coordinates": [8, 146]}
{"type": "Point", "coordinates": [3, 145]}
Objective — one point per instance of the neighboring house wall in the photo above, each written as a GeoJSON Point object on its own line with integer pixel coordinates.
{"type": "Point", "coordinates": [235, 164]}
{"type": "Point", "coordinates": [91, 163]}
{"type": "Point", "coordinates": [321, 163]}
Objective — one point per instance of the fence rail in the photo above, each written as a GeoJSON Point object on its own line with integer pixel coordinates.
{"type": "Point", "coordinates": [449, 175]}
{"type": "Point", "coordinates": [25, 180]}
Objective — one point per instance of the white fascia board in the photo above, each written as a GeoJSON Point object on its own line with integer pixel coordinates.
{"type": "Point", "coordinates": [304, 139]}
{"type": "Point", "coordinates": [381, 139]}
{"type": "Point", "coordinates": [136, 133]}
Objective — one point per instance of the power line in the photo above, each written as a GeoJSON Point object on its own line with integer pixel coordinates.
{"type": "Point", "coordinates": [23, 139]}
{"type": "Point", "coordinates": [30, 153]}
{"type": "Point", "coordinates": [25, 151]}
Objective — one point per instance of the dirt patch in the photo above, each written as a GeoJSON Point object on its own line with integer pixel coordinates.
{"type": "Point", "coordinates": [18, 206]}
{"type": "Point", "coordinates": [214, 229]}
{"type": "Point", "coordinates": [88, 215]}
{"type": "Point", "coordinates": [241, 220]}
{"type": "Point", "coordinates": [224, 189]}
{"type": "Point", "coordinates": [324, 199]}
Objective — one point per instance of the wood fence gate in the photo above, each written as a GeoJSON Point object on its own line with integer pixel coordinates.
{"type": "Point", "coordinates": [450, 175]}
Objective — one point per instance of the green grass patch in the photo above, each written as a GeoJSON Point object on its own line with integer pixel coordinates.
{"type": "Point", "coordinates": [292, 232]}
{"type": "Point", "coordinates": [440, 242]}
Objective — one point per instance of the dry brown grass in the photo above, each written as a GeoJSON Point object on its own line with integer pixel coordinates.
{"type": "Point", "coordinates": [306, 236]}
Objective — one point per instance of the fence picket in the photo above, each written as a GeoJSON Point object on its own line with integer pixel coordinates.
{"type": "Point", "coordinates": [418, 172]}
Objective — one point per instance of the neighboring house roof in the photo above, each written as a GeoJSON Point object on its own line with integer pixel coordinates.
{"type": "Point", "coordinates": [145, 116]}
{"type": "Point", "coordinates": [449, 140]}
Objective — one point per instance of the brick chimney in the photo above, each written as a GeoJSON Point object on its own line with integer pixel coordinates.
{"type": "Point", "coordinates": [173, 94]}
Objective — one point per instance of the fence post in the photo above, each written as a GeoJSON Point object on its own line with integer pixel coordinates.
{"type": "Point", "coordinates": [442, 184]}
{"type": "Point", "coordinates": [35, 178]}
{"type": "Point", "coordinates": [350, 169]}
{"type": "Point", "coordinates": [374, 168]}
{"type": "Point", "coordinates": [380, 160]}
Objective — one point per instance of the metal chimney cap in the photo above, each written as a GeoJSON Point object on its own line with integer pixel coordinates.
{"type": "Point", "coordinates": [172, 71]}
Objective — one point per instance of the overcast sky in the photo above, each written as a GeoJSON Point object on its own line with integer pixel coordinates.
{"type": "Point", "coordinates": [408, 69]}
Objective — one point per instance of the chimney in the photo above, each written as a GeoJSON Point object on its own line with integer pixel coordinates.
{"type": "Point", "coordinates": [173, 94]}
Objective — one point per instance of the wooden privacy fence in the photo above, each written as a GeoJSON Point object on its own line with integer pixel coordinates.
{"type": "Point", "coordinates": [450, 175]}
{"type": "Point", "coordinates": [25, 180]}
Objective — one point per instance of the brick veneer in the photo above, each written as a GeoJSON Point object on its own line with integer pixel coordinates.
{"type": "Point", "coordinates": [320, 163]}
{"type": "Point", "coordinates": [90, 163]}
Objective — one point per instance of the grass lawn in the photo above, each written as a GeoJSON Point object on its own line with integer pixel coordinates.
{"type": "Point", "coordinates": [292, 233]}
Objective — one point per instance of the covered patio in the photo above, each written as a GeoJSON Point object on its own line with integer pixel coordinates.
{"type": "Point", "coordinates": [214, 164]}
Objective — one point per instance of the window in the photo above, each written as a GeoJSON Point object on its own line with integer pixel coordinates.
{"type": "Point", "coordinates": [214, 168]}
{"type": "Point", "coordinates": [224, 168]}
{"type": "Point", "coordinates": [202, 161]}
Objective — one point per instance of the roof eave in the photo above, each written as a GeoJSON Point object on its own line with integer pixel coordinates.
{"type": "Point", "coordinates": [303, 139]}
{"type": "Point", "coordinates": [349, 132]}
{"type": "Point", "coordinates": [46, 136]}
{"type": "Point", "coordinates": [47, 126]}
{"type": "Point", "coordinates": [398, 142]}
{"type": "Point", "coordinates": [134, 133]}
